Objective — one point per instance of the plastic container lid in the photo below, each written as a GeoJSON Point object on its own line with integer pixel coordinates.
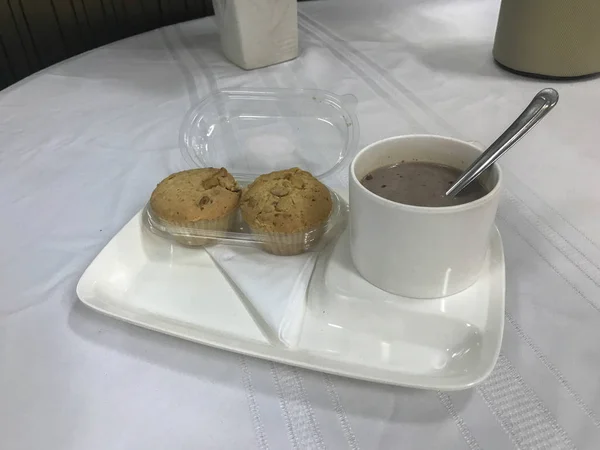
{"type": "Point", "coordinates": [255, 131]}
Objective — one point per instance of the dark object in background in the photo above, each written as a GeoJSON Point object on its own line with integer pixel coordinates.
{"type": "Point", "coordinates": [549, 38]}
{"type": "Point", "coordinates": [35, 34]}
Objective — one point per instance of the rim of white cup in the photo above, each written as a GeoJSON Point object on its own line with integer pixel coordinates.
{"type": "Point", "coordinates": [425, 209]}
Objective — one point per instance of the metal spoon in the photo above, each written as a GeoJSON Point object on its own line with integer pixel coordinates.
{"type": "Point", "coordinates": [541, 105]}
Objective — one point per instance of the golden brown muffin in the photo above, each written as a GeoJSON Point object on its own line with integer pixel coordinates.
{"type": "Point", "coordinates": [289, 208]}
{"type": "Point", "coordinates": [202, 199]}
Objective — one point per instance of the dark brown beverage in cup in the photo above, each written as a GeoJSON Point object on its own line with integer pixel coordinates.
{"type": "Point", "coordinates": [420, 184]}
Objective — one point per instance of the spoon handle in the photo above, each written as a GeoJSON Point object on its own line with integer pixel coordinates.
{"type": "Point", "coordinates": [541, 105]}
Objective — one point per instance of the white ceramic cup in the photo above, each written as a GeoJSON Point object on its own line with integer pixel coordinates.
{"type": "Point", "coordinates": [415, 251]}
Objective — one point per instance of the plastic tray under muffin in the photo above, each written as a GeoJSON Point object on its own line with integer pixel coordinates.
{"type": "Point", "coordinates": [240, 233]}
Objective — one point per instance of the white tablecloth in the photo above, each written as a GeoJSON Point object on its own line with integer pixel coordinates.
{"type": "Point", "coordinates": [83, 143]}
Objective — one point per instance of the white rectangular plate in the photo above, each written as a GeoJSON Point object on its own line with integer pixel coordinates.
{"type": "Point", "coordinates": [350, 328]}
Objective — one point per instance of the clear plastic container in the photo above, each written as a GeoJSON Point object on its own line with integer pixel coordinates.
{"type": "Point", "coordinates": [253, 132]}
{"type": "Point", "coordinates": [240, 234]}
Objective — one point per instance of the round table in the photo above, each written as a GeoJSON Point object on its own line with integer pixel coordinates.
{"type": "Point", "coordinates": [83, 143]}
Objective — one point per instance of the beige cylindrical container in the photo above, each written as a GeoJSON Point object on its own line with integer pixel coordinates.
{"type": "Point", "coordinates": [551, 38]}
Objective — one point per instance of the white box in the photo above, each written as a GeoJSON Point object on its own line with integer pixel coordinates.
{"type": "Point", "coordinates": [258, 33]}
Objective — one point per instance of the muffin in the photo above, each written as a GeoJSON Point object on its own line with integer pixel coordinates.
{"type": "Point", "coordinates": [196, 200]}
{"type": "Point", "coordinates": [289, 208]}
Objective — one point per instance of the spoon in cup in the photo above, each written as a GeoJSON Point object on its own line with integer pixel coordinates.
{"type": "Point", "coordinates": [541, 105]}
